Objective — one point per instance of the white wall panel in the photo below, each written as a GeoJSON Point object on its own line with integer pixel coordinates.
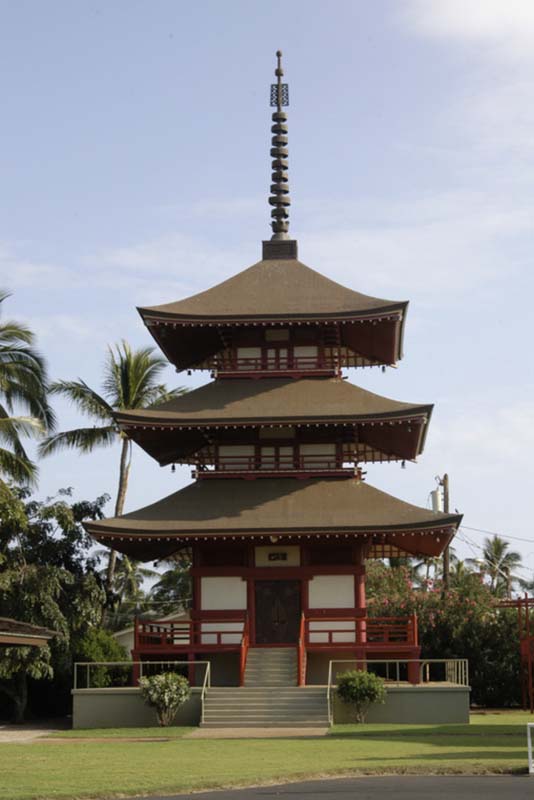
{"type": "Point", "coordinates": [331, 591]}
{"type": "Point", "coordinates": [223, 594]}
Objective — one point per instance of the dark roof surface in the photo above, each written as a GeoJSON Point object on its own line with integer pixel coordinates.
{"type": "Point", "coordinates": [272, 289]}
{"type": "Point", "coordinates": [274, 400]}
{"type": "Point", "coordinates": [320, 505]}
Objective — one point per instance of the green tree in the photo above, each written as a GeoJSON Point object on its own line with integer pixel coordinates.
{"type": "Point", "coordinates": [128, 597]}
{"type": "Point", "coordinates": [131, 380]}
{"type": "Point", "coordinates": [23, 387]}
{"type": "Point", "coordinates": [173, 590]}
{"type": "Point", "coordinates": [48, 578]}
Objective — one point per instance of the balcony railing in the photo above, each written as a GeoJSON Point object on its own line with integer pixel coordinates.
{"type": "Point", "coordinates": [273, 463]}
{"type": "Point", "coordinates": [163, 635]}
{"type": "Point", "coordinates": [292, 364]}
{"type": "Point", "coordinates": [371, 632]}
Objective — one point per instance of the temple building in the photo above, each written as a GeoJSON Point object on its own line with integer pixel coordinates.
{"type": "Point", "coordinates": [279, 519]}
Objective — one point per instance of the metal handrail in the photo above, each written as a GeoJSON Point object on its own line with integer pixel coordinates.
{"type": "Point", "coordinates": [131, 664]}
{"type": "Point", "coordinates": [205, 686]}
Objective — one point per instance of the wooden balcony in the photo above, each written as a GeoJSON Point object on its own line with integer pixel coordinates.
{"type": "Point", "coordinates": [379, 633]}
{"type": "Point", "coordinates": [257, 466]}
{"type": "Point", "coordinates": [278, 367]}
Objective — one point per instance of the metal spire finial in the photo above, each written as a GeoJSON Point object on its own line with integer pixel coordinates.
{"type": "Point", "coordinates": [279, 198]}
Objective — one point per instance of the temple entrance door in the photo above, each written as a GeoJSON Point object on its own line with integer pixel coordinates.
{"type": "Point", "coordinates": [277, 612]}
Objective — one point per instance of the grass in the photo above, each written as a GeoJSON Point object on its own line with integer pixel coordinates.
{"type": "Point", "coordinates": [123, 733]}
{"type": "Point", "coordinates": [67, 768]}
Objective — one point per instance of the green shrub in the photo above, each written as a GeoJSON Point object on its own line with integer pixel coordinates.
{"type": "Point", "coordinates": [165, 692]}
{"type": "Point", "coordinates": [360, 690]}
{"type": "Point", "coordinates": [98, 644]}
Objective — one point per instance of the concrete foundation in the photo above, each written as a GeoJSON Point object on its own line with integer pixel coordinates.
{"type": "Point", "coordinates": [124, 708]}
{"type": "Point", "coordinates": [438, 704]}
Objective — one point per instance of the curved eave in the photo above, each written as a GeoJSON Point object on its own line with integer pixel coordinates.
{"type": "Point", "coordinates": [140, 419]}
{"type": "Point", "coordinates": [227, 510]}
{"type": "Point", "coordinates": [397, 437]}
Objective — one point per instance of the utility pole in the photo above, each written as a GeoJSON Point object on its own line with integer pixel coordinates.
{"type": "Point", "coordinates": [444, 483]}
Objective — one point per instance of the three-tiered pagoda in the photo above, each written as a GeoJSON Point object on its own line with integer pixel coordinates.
{"type": "Point", "coordinates": [279, 519]}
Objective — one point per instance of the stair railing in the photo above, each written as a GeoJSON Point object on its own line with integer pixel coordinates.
{"type": "Point", "coordinates": [245, 643]}
{"type": "Point", "coordinates": [206, 684]}
{"type": "Point", "coordinates": [301, 652]}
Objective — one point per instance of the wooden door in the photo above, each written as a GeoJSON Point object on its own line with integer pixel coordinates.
{"type": "Point", "coordinates": [277, 612]}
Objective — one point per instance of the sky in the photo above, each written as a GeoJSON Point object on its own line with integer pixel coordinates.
{"type": "Point", "coordinates": [134, 170]}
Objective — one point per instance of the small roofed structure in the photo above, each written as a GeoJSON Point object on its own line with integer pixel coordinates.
{"type": "Point", "coordinates": [17, 634]}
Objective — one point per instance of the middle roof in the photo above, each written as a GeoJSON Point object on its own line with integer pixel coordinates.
{"type": "Point", "coordinates": [389, 426]}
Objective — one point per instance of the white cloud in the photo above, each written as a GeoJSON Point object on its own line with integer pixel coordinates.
{"type": "Point", "coordinates": [442, 244]}
{"type": "Point", "coordinates": [505, 28]}
{"type": "Point", "coordinates": [20, 273]}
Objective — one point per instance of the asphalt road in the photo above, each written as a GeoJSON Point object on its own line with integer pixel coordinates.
{"type": "Point", "coordinates": [491, 787]}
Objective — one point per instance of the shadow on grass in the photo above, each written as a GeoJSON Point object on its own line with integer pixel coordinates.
{"type": "Point", "coordinates": [427, 731]}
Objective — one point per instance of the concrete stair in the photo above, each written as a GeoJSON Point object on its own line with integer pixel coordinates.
{"type": "Point", "coordinates": [276, 666]}
{"type": "Point", "coordinates": [266, 707]}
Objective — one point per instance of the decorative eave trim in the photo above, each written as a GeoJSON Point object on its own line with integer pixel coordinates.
{"type": "Point", "coordinates": [446, 527]}
{"type": "Point", "coordinates": [421, 417]}
{"type": "Point", "coordinates": [386, 313]}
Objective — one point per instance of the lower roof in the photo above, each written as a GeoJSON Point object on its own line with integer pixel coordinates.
{"type": "Point", "coordinates": [13, 632]}
{"type": "Point", "coordinates": [288, 507]}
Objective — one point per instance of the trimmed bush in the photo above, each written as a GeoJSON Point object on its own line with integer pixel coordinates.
{"type": "Point", "coordinates": [165, 692]}
{"type": "Point", "coordinates": [360, 690]}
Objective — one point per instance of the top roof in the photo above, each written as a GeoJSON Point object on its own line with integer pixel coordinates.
{"type": "Point", "coordinates": [274, 289]}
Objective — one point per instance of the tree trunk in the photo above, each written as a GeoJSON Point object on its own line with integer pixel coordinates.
{"type": "Point", "coordinates": [19, 695]}
{"type": "Point", "coordinates": [124, 474]}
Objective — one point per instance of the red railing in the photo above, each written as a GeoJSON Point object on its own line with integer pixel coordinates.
{"type": "Point", "coordinates": [245, 642]}
{"type": "Point", "coordinates": [301, 652]}
{"type": "Point", "coordinates": [158, 635]}
{"type": "Point", "coordinates": [328, 632]}
{"type": "Point", "coordinates": [272, 463]}
{"type": "Point", "coordinates": [278, 364]}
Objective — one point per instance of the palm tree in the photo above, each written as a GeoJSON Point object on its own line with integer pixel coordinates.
{"type": "Point", "coordinates": [129, 578]}
{"type": "Point", "coordinates": [23, 385]}
{"type": "Point", "coordinates": [130, 381]}
{"type": "Point", "coordinates": [173, 590]}
{"type": "Point", "coordinates": [498, 562]}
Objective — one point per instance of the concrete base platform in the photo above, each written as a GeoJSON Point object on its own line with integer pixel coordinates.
{"type": "Point", "coordinates": [431, 704]}
{"type": "Point", "coordinates": [425, 704]}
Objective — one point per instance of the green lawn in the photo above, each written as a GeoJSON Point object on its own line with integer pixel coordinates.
{"type": "Point", "coordinates": [68, 768]}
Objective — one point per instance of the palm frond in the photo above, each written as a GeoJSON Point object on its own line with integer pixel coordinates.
{"type": "Point", "coordinates": [83, 439]}
{"type": "Point", "coordinates": [17, 468]}
{"type": "Point", "coordinates": [86, 399]}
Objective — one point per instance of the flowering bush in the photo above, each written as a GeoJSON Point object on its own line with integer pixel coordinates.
{"type": "Point", "coordinates": [462, 622]}
{"type": "Point", "coordinates": [166, 693]}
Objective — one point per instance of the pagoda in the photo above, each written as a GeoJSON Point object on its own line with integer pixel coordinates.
{"type": "Point", "coordinates": [279, 519]}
